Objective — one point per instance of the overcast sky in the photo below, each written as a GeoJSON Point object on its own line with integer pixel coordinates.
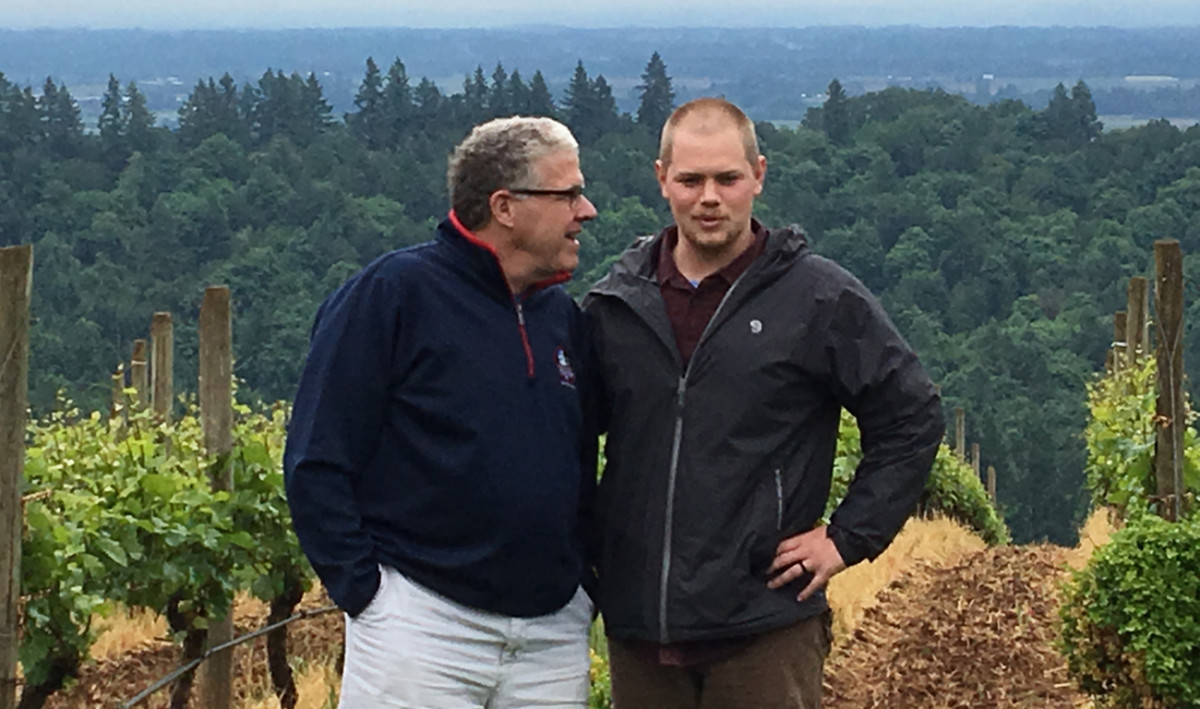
{"type": "Point", "coordinates": [172, 14]}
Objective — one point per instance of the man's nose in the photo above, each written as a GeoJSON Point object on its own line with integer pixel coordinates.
{"type": "Point", "coordinates": [586, 210]}
{"type": "Point", "coordinates": [709, 195]}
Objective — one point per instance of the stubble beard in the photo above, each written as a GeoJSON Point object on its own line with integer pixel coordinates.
{"type": "Point", "coordinates": [711, 249]}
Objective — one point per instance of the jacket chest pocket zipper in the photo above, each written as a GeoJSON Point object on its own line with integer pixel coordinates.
{"type": "Point", "coordinates": [778, 499]}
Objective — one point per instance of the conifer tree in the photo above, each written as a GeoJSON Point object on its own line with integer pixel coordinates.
{"type": "Point", "coordinates": [1058, 118]}
{"type": "Point", "coordinates": [8, 141]}
{"type": "Point", "coordinates": [835, 114]}
{"type": "Point", "coordinates": [499, 102]}
{"type": "Point", "coordinates": [137, 120]}
{"type": "Point", "coordinates": [541, 103]}
{"type": "Point", "coordinates": [657, 99]}
{"type": "Point", "coordinates": [475, 96]}
{"type": "Point", "coordinates": [230, 116]}
{"type": "Point", "coordinates": [48, 99]}
{"type": "Point", "coordinates": [266, 116]}
{"type": "Point", "coordinates": [316, 111]}
{"type": "Point", "coordinates": [110, 124]}
{"type": "Point", "coordinates": [1087, 126]}
{"type": "Point", "coordinates": [367, 123]}
{"type": "Point", "coordinates": [214, 108]}
{"type": "Point", "coordinates": [428, 99]}
{"type": "Point", "coordinates": [589, 106]}
{"type": "Point", "coordinates": [195, 116]}
{"type": "Point", "coordinates": [1069, 119]}
{"type": "Point", "coordinates": [291, 106]}
{"type": "Point", "coordinates": [20, 119]}
{"type": "Point", "coordinates": [518, 94]}
{"type": "Point", "coordinates": [605, 106]}
{"type": "Point", "coordinates": [397, 101]}
{"type": "Point", "coordinates": [579, 103]}
{"type": "Point", "coordinates": [60, 117]}
{"type": "Point", "coordinates": [25, 117]}
{"type": "Point", "coordinates": [247, 104]}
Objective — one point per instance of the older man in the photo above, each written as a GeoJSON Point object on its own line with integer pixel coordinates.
{"type": "Point", "coordinates": [436, 463]}
{"type": "Point", "coordinates": [728, 351]}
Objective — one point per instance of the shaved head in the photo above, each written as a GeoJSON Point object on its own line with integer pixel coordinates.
{"type": "Point", "coordinates": [708, 116]}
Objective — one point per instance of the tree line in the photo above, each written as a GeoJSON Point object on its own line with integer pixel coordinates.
{"type": "Point", "coordinates": [1000, 237]}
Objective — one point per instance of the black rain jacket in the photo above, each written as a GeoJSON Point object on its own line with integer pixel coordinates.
{"type": "Point", "coordinates": [710, 467]}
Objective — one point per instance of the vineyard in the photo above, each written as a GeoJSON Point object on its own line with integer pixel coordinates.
{"type": "Point", "coordinates": [141, 509]}
{"type": "Point", "coordinates": [121, 512]}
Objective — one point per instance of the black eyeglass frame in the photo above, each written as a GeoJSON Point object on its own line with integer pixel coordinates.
{"type": "Point", "coordinates": [571, 194]}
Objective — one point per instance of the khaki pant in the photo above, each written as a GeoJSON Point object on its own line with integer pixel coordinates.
{"type": "Point", "coordinates": [782, 669]}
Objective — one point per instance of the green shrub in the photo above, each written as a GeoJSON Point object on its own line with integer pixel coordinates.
{"type": "Point", "coordinates": [1120, 440]}
{"type": "Point", "coordinates": [1131, 617]}
{"type": "Point", "coordinates": [600, 692]}
{"type": "Point", "coordinates": [123, 513]}
{"type": "Point", "coordinates": [953, 489]}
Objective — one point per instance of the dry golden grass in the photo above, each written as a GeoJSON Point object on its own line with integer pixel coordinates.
{"type": "Point", "coordinates": [1096, 531]}
{"type": "Point", "coordinates": [124, 631]}
{"type": "Point", "coordinates": [853, 591]}
{"type": "Point", "coordinates": [316, 686]}
{"type": "Point", "coordinates": [938, 541]}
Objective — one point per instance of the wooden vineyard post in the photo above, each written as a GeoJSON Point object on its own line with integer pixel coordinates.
{"type": "Point", "coordinates": [975, 460]}
{"type": "Point", "coordinates": [162, 338]}
{"type": "Point", "coordinates": [216, 381]}
{"type": "Point", "coordinates": [1116, 352]}
{"type": "Point", "coordinates": [991, 484]}
{"type": "Point", "coordinates": [960, 433]}
{"type": "Point", "coordinates": [1169, 410]}
{"type": "Point", "coordinates": [117, 408]}
{"type": "Point", "coordinates": [139, 374]}
{"type": "Point", "coordinates": [1137, 314]}
{"type": "Point", "coordinates": [16, 280]}
{"type": "Point", "coordinates": [216, 418]}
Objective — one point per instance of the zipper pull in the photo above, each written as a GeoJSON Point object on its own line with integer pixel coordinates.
{"type": "Point", "coordinates": [530, 370]}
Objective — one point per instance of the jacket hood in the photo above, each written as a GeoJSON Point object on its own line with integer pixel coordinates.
{"type": "Point", "coordinates": [639, 262]}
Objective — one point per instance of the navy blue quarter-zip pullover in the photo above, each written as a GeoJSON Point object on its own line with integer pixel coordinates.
{"type": "Point", "coordinates": [438, 430]}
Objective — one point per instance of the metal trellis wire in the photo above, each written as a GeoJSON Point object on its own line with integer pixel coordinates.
{"type": "Point", "coordinates": [179, 672]}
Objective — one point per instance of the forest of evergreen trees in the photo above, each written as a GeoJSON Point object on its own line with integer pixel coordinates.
{"type": "Point", "coordinates": [999, 237]}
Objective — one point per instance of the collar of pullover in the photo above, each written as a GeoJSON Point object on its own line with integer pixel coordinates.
{"type": "Point", "coordinates": [485, 261]}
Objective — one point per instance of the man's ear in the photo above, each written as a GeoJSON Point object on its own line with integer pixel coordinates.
{"type": "Point", "coordinates": [502, 203]}
{"type": "Point", "coordinates": [660, 173]}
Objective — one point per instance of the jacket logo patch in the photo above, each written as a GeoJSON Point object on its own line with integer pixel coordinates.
{"type": "Point", "coordinates": [566, 375]}
{"type": "Point", "coordinates": [755, 327]}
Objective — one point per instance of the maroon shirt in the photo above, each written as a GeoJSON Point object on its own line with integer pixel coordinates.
{"type": "Point", "coordinates": [689, 308]}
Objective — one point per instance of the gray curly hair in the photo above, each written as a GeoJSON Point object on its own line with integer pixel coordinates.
{"type": "Point", "coordinates": [500, 154]}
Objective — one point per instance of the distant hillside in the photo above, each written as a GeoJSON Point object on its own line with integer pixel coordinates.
{"type": "Point", "coordinates": [776, 74]}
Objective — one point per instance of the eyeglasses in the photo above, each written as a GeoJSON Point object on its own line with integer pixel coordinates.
{"type": "Point", "coordinates": [570, 194]}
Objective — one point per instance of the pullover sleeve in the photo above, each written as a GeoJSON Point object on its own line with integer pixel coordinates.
{"type": "Point", "coordinates": [879, 381]}
{"type": "Point", "coordinates": [337, 418]}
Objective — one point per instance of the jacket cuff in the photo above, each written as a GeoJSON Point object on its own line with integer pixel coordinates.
{"type": "Point", "coordinates": [851, 547]}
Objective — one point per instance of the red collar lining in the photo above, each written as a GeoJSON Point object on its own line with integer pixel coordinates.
{"type": "Point", "coordinates": [561, 277]}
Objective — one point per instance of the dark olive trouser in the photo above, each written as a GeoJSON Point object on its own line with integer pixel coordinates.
{"type": "Point", "coordinates": [782, 669]}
